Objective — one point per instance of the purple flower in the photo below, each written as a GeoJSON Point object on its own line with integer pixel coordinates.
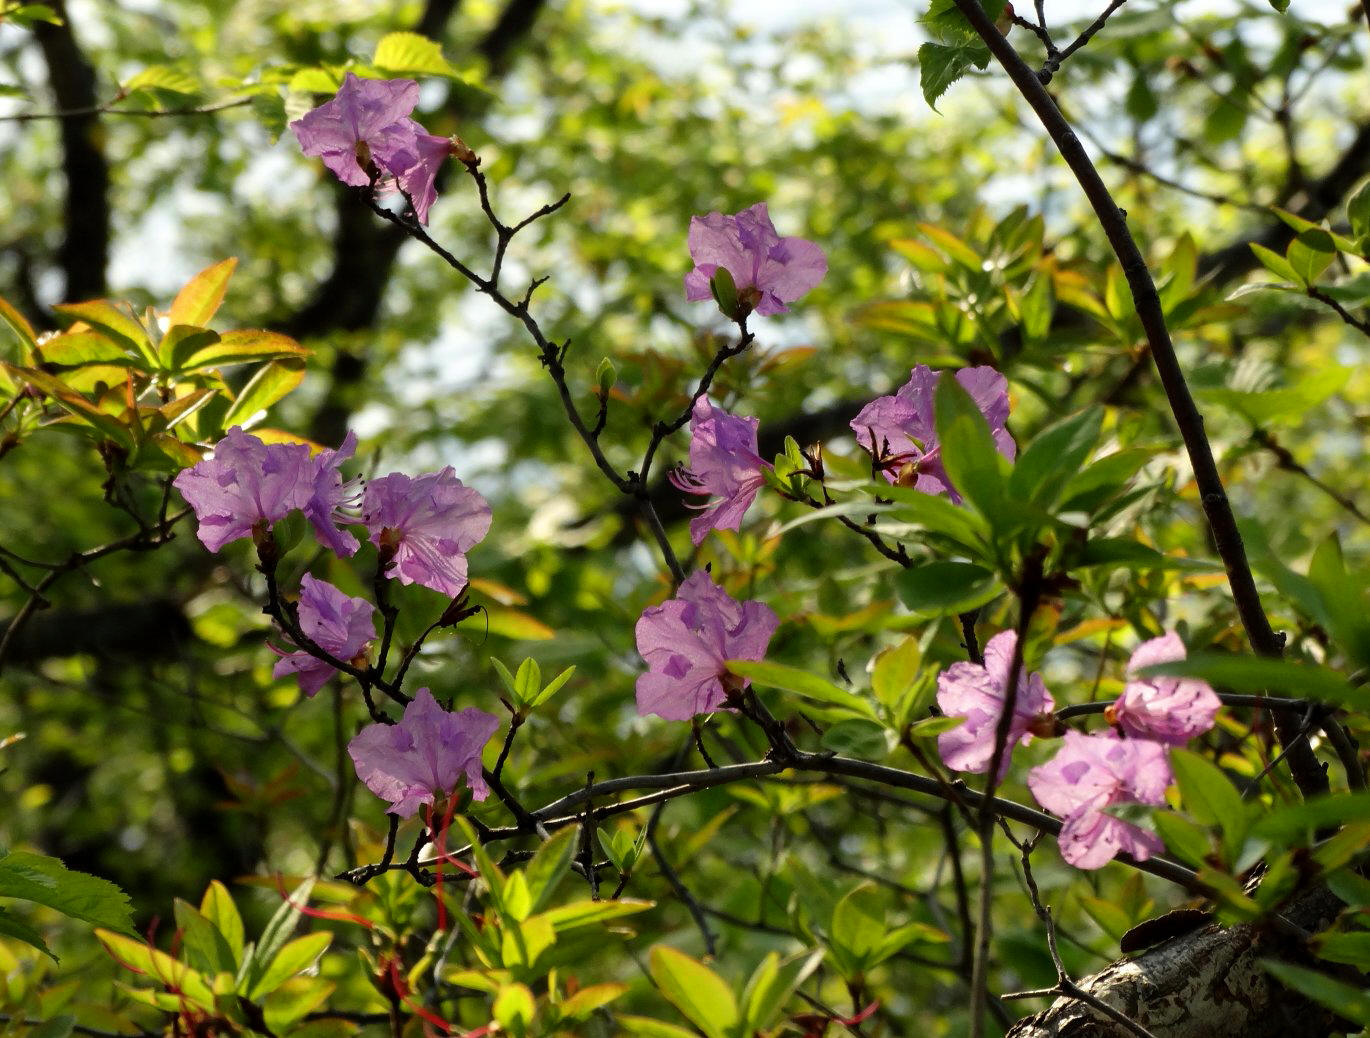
{"type": "Point", "coordinates": [366, 121]}
{"type": "Point", "coordinates": [686, 642]}
{"type": "Point", "coordinates": [1166, 709]}
{"type": "Point", "coordinates": [900, 433]}
{"type": "Point", "coordinates": [1094, 772]}
{"type": "Point", "coordinates": [428, 523]}
{"type": "Point", "coordinates": [977, 694]}
{"type": "Point", "coordinates": [365, 133]}
{"type": "Point", "coordinates": [416, 168]}
{"type": "Point", "coordinates": [724, 466]}
{"type": "Point", "coordinates": [425, 755]}
{"type": "Point", "coordinates": [247, 485]}
{"type": "Point", "coordinates": [244, 486]}
{"type": "Point", "coordinates": [330, 495]}
{"type": "Point", "coordinates": [768, 270]}
{"type": "Point", "coordinates": [337, 623]}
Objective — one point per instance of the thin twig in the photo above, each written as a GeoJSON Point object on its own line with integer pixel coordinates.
{"type": "Point", "coordinates": [1054, 62]}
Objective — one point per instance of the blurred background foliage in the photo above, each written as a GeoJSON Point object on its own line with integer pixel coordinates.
{"type": "Point", "coordinates": [158, 752]}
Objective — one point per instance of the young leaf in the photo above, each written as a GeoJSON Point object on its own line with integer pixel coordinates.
{"type": "Point", "coordinates": [698, 992]}
{"type": "Point", "coordinates": [772, 984]}
{"type": "Point", "coordinates": [202, 295]}
{"type": "Point", "coordinates": [293, 957]}
{"type": "Point", "coordinates": [553, 687]}
{"type": "Point", "coordinates": [800, 682]}
{"type": "Point", "coordinates": [217, 906]}
{"type": "Point", "coordinates": [269, 385]}
{"type": "Point", "coordinates": [1210, 797]}
{"type": "Point", "coordinates": [549, 864]}
{"type": "Point", "coordinates": [277, 933]}
{"type": "Point", "coordinates": [1054, 457]}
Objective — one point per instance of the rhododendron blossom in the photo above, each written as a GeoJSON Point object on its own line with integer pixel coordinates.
{"type": "Point", "coordinates": [768, 270]}
{"type": "Point", "coordinates": [365, 133]}
{"type": "Point", "coordinates": [427, 523]}
{"type": "Point", "coordinates": [1091, 773]}
{"type": "Point", "coordinates": [686, 642]}
{"type": "Point", "coordinates": [424, 756]}
{"type": "Point", "coordinates": [977, 694]}
{"type": "Point", "coordinates": [724, 466]}
{"type": "Point", "coordinates": [1170, 710]}
{"type": "Point", "coordinates": [247, 485]}
{"type": "Point", "coordinates": [337, 623]}
{"type": "Point", "coordinates": [900, 431]}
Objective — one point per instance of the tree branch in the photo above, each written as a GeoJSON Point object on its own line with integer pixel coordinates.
{"type": "Point", "coordinates": [1308, 773]}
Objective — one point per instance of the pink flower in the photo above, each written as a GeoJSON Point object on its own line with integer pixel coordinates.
{"type": "Point", "coordinates": [428, 522]}
{"type": "Point", "coordinates": [686, 641]}
{"type": "Point", "coordinates": [1094, 772]}
{"type": "Point", "coordinates": [768, 270]}
{"type": "Point", "coordinates": [724, 466]}
{"type": "Point", "coordinates": [329, 495]}
{"type": "Point", "coordinates": [425, 755]}
{"type": "Point", "coordinates": [365, 131]}
{"type": "Point", "coordinates": [365, 122]}
{"type": "Point", "coordinates": [244, 485]}
{"type": "Point", "coordinates": [337, 623]}
{"type": "Point", "coordinates": [417, 166]}
{"type": "Point", "coordinates": [977, 694]}
{"type": "Point", "coordinates": [247, 485]}
{"type": "Point", "coordinates": [900, 433]}
{"type": "Point", "coordinates": [1168, 710]}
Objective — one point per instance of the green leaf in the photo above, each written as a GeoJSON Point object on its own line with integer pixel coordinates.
{"type": "Point", "coordinates": [411, 53]}
{"type": "Point", "coordinates": [163, 77]}
{"type": "Point", "coordinates": [1259, 674]}
{"type": "Point", "coordinates": [856, 738]}
{"type": "Point", "coordinates": [648, 1027]}
{"type": "Point", "coordinates": [972, 462]}
{"type": "Point", "coordinates": [293, 957]}
{"type": "Point", "coordinates": [27, 14]}
{"type": "Point", "coordinates": [895, 671]}
{"type": "Point", "coordinates": [242, 347]}
{"type": "Point", "coordinates": [772, 984]}
{"type": "Point", "coordinates": [107, 318]}
{"type": "Point", "coordinates": [199, 300]}
{"type": "Point", "coordinates": [277, 933]}
{"type": "Point", "coordinates": [859, 924]}
{"type": "Point", "coordinates": [182, 340]}
{"type": "Point", "coordinates": [270, 384]}
{"type": "Point", "coordinates": [1358, 215]}
{"type": "Point", "coordinates": [801, 683]}
{"type": "Point", "coordinates": [586, 913]}
{"type": "Point", "coordinates": [1054, 457]}
{"type": "Point", "coordinates": [1210, 797]}
{"type": "Point", "coordinates": [1288, 825]}
{"type": "Point", "coordinates": [698, 992]}
{"type": "Point", "coordinates": [1353, 1003]}
{"type": "Point", "coordinates": [504, 675]}
{"type": "Point", "coordinates": [1280, 5]}
{"type": "Point", "coordinates": [940, 65]}
{"type": "Point", "coordinates": [203, 946]}
{"type": "Point", "coordinates": [1274, 262]}
{"type": "Point", "coordinates": [527, 681]}
{"type": "Point", "coordinates": [18, 324]}
{"type": "Point", "coordinates": [22, 931]}
{"type": "Point", "coordinates": [217, 906]}
{"type": "Point", "coordinates": [1310, 254]}
{"type": "Point", "coordinates": [553, 687]}
{"type": "Point", "coordinates": [585, 1001]}
{"type": "Point", "coordinates": [1183, 838]}
{"type": "Point", "coordinates": [514, 1009]}
{"type": "Point", "coordinates": [945, 587]}
{"type": "Point", "coordinates": [1350, 948]}
{"type": "Point", "coordinates": [46, 881]}
{"type": "Point", "coordinates": [517, 901]}
{"type": "Point", "coordinates": [548, 865]}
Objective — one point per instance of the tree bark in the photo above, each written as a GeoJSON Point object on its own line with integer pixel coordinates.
{"type": "Point", "coordinates": [1205, 984]}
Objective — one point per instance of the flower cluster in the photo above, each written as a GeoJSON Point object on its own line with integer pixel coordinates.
{"type": "Point", "coordinates": [1090, 773]}
{"type": "Point", "coordinates": [366, 136]}
{"type": "Point", "coordinates": [422, 527]}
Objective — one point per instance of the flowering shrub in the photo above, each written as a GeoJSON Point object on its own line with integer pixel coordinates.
{"type": "Point", "coordinates": [896, 624]}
